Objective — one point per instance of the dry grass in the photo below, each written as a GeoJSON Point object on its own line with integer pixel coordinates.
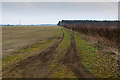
{"type": "Point", "coordinates": [17, 38]}
{"type": "Point", "coordinates": [95, 57]}
{"type": "Point", "coordinates": [110, 33]}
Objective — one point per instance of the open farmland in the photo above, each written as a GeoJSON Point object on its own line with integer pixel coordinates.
{"type": "Point", "coordinates": [21, 42]}
{"type": "Point", "coordinates": [60, 53]}
{"type": "Point", "coordinates": [20, 37]}
{"type": "Point", "coordinates": [60, 40]}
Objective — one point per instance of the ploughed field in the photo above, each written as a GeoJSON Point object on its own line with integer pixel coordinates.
{"type": "Point", "coordinates": [52, 52]}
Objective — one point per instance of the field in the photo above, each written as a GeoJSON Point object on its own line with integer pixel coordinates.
{"type": "Point", "coordinates": [19, 42]}
{"type": "Point", "coordinates": [17, 38]}
{"type": "Point", "coordinates": [53, 52]}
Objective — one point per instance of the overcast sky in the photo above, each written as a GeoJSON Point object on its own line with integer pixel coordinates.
{"type": "Point", "coordinates": [52, 12]}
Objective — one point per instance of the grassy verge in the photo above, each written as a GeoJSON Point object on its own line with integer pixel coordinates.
{"type": "Point", "coordinates": [95, 62]}
{"type": "Point", "coordinates": [32, 50]}
{"type": "Point", "coordinates": [59, 70]}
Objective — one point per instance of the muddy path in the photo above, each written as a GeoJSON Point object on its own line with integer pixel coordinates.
{"type": "Point", "coordinates": [35, 66]}
{"type": "Point", "coordinates": [73, 62]}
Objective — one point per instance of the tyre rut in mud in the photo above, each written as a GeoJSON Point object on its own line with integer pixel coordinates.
{"type": "Point", "coordinates": [73, 62]}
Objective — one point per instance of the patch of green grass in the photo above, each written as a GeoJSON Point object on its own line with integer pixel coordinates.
{"type": "Point", "coordinates": [62, 71]}
{"type": "Point", "coordinates": [94, 62]}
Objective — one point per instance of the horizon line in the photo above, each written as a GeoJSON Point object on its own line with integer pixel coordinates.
{"type": "Point", "coordinates": [58, 21]}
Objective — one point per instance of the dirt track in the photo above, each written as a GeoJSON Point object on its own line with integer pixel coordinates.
{"type": "Point", "coordinates": [73, 62]}
{"type": "Point", "coordinates": [38, 66]}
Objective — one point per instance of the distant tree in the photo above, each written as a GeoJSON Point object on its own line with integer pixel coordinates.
{"type": "Point", "coordinates": [58, 23]}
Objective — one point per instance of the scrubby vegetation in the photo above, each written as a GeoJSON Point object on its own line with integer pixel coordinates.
{"type": "Point", "coordinates": [101, 29]}
{"type": "Point", "coordinates": [101, 65]}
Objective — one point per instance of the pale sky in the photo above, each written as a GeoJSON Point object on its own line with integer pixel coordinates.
{"type": "Point", "coordinates": [52, 12]}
